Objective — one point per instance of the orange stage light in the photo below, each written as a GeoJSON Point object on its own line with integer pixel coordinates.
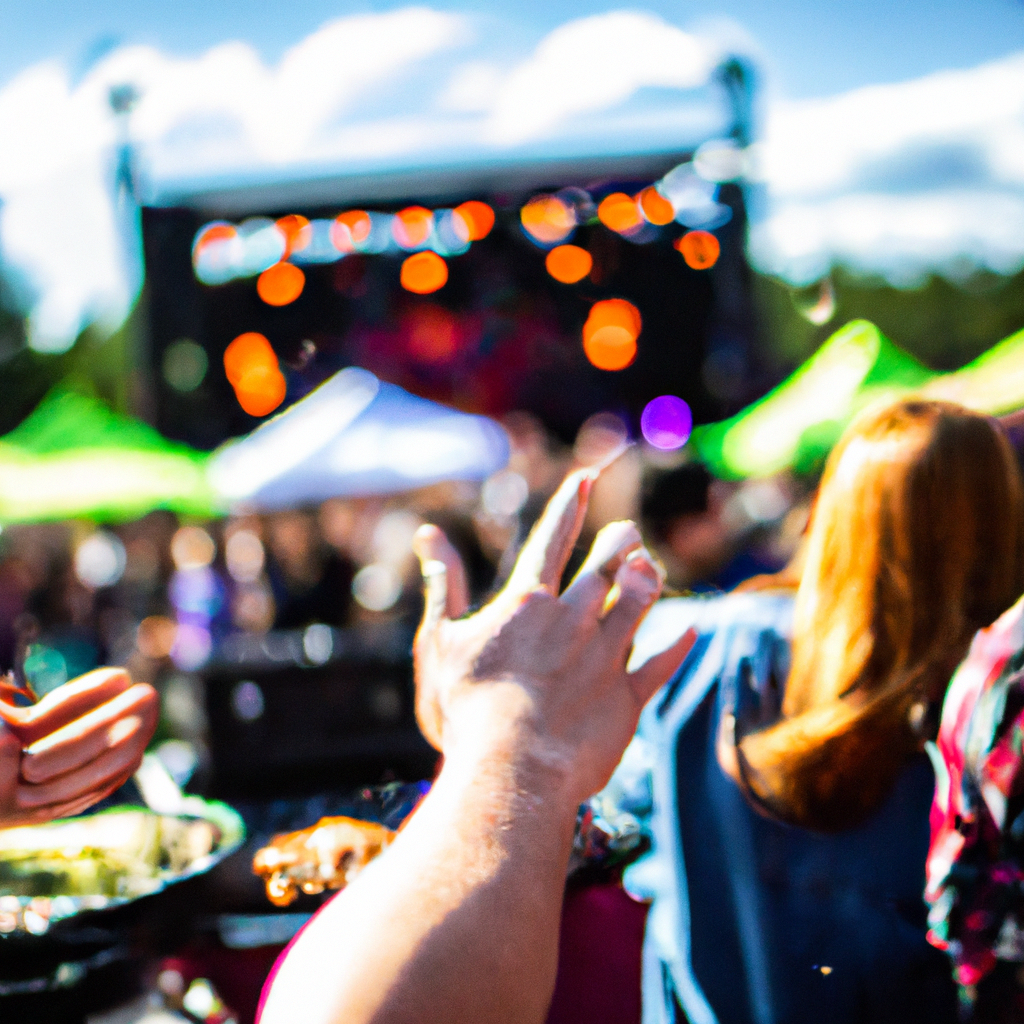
{"type": "Point", "coordinates": [610, 348]}
{"type": "Point", "coordinates": [297, 232]}
{"type": "Point", "coordinates": [656, 208]}
{"type": "Point", "coordinates": [246, 352]}
{"type": "Point", "coordinates": [700, 249]}
{"type": "Point", "coordinates": [412, 226]}
{"type": "Point", "coordinates": [261, 390]}
{"type": "Point", "coordinates": [214, 233]}
{"type": "Point", "coordinates": [610, 334]}
{"type": "Point", "coordinates": [548, 219]}
{"type": "Point", "coordinates": [619, 212]}
{"type": "Point", "coordinates": [478, 218]}
{"type": "Point", "coordinates": [568, 263]}
{"type": "Point", "coordinates": [614, 312]}
{"type": "Point", "coordinates": [280, 284]}
{"type": "Point", "coordinates": [424, 272]}
{"type": "Point", "coordinates": [349, 229]}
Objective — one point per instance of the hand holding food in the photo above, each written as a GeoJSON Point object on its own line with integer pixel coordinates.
{"type": "Point", "coordinates": [72, 748]}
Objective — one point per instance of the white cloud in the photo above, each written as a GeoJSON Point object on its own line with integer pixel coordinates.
{"type": "Point", "coordinates": [224, 111]}
{"type": "Point", "coordinates": [902, 237]}
{"type": "Point", "coordinates": [593, 63]}
{"type": "Point", "coordinates": [905, 179]}
{"type": "Point", "coordinates": [227, 113]}
{"type": "Point", "coordinates": [472, 88]}
{"type": "Point", "coordinates": [899, 179]}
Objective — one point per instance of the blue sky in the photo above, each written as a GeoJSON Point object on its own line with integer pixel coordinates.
{"type": "Point", "coordinates": [922, 172]}
{"type": "Point", "coordinates": [809, 47]}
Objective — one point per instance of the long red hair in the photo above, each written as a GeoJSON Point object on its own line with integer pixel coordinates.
{"type": "Point", "coordinates": [916, 542]}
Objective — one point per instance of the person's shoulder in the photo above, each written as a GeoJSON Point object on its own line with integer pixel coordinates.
{"type": "Point", "coordinates": [713, 611]}
{"type": "Point", "coordinates": [756, 611]}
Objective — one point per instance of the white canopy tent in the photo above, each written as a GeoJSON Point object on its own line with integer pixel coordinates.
{"type": "Point", "coordinates": [355, 435]}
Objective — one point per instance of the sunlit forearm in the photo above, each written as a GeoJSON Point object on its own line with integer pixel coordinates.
{"type": "Point", "coordinates": [458, 922]}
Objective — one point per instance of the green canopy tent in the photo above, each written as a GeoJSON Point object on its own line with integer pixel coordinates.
{"type": "Point", "coordinates": [73, 456]}
{"type": "Point", "coordinates": [795, 425]}
{"type": "Point", "coordinates": [992, 383]}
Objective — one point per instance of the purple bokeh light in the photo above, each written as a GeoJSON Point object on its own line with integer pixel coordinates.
{"type": "Point", "coordinates": [666, 422]}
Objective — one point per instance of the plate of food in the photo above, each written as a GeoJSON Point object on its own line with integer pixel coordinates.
{"type": "Point", "coordinates": [97, 861]}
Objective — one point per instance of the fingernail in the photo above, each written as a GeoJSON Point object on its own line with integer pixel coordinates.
{"type": "Point", "coordinates": [648, 559]}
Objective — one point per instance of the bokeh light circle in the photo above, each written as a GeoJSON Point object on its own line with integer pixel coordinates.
{"type": "Point", "coordinates": [247, 352]}
{"type": "Point", "coordinates": [218, 231]}
{"type": "Point", "coordinates": [433, 334]}
{"type": "Point", "coordinates": [478, 218]}
{"type": "Point", "coordinates": [261, 390]}
{"type": "Point", "coordinates": [192, 548]}
{"type": "Point", "coordinates": [610, 347]}
{"type": "Point", "coordinates": [619, 212]}
{"type": "Point", "coordinates": [350, 229]}
{"type": "Point", "coordinates": [424, 272]}
{"type": "Point", "coordinates": [700, 249]}
{"type": "Point", "coordinates": [548, 219]}
{"type": "Point", "coordinates": [568, 263]}
{"type": "Point", "coordinates": [655, 207]}
{"type": "Point", "coordinates": [376, 587]}
{"type": "Point", "coordinates": [610, 334]}
{"type": "Point", "coordinates": [617, 312]}
{"type": "Point", "coordinates": [100, 559]}
{"type": "Point", "coordinates": [411, 227]}
{"type": "Point", "coordinates": [297, 230]}
{"type": "Point", "coordinates": [666, 422]}
{"type": "Point", "coordinates": [280, 284]}
{"type": "Point", "coordinates": [217, 252]}
{"type": "Point", "coordinates": [184, 365]}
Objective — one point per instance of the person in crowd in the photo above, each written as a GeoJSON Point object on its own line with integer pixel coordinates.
{"type": "Point", "coordinates": [976, 857]}
{"type": "Point", "coordinates": [311, 581]}
{"type": "Point", "coordinates": [683, 512]}
{"type": "Point", "coordinates": [778, 773]}
{"type": "Point", "coordinates": [74, 747]}
{"type": "Point", "coordinates": [532, 705]}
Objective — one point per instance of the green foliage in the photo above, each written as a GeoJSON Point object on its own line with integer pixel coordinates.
{"type": "Point", "coordinates": [943, 324]}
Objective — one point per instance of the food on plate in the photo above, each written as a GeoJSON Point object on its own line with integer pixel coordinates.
{"type": "Point", "coordinates": [328, 855]}
{"type": "Point", "coordinates": [125, 853]}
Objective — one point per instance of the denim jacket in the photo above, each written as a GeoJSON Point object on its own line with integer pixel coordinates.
{"type": "Point", "coordinates": [753, 920]}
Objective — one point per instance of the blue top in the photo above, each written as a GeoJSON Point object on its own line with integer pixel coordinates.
{"type": "Point", "coordinates": [753, 920]}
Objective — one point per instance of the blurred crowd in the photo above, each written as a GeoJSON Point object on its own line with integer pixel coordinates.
{"type": "Point", "coordinates": [158, 595]}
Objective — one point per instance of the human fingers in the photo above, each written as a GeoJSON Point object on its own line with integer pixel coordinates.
{"type": "Point", "coordinates": [129, 716]}
{"type": "Point", "coordinates": [638, 583]}
{"type": "Point", "coordinates": [591, 585]}
{"type": "Point", "coordinates": [656, 671]}
{"type": "Point", "coordinates": [121, 757]}
{"type": "Point", "coordinates": [10, 771]}
{"type": "Point", "coordinates": [67, 809]}
{"type": "Point", "coordinates": [543, 557]}
{"type": "Point", "coordinates": [66, 703]}
{"type": "Point", "coordinates": [432, 546]}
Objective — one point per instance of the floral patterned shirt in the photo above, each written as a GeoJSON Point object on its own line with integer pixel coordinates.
{"type": "Point", "coordinates": [975, 867]}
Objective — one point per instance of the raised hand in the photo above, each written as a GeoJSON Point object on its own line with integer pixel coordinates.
{"type": "Point", "coordinates": [534, 670]}
{"type": "Point", "coordinates": [76, 746]}
{"type": "Point", "coordinates": [531, 703]}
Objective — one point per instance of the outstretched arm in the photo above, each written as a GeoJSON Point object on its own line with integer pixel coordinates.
{"type": "Point", "coordinates": [531, 703]}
